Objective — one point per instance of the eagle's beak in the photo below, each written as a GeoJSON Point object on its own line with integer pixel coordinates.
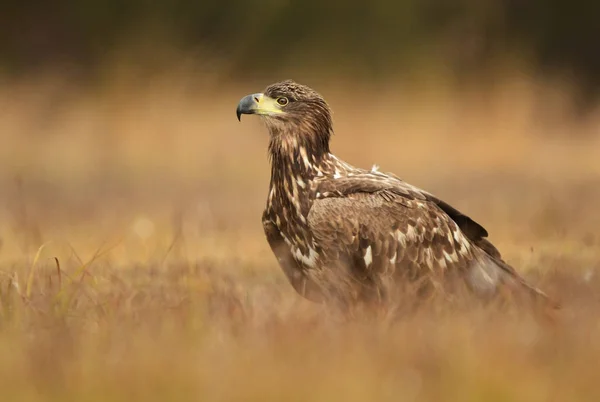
{"type": "Point", "coordinates": [257, 104]}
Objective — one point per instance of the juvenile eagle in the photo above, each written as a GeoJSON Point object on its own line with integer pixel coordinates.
{"type": "Point", "coordinates": [349, 234]}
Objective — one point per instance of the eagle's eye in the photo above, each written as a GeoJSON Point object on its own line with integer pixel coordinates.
{"type": "Point", "coordinates": [282, 101]}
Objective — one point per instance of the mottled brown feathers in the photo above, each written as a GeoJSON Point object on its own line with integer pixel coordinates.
{"type": "Point", "coordinates": [347, 234]}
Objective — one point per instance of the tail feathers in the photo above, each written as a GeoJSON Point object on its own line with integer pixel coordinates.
{"type": "Point", "coordinates": [535, 292]}
{"type": "Point", "coordinates": [511, 276]}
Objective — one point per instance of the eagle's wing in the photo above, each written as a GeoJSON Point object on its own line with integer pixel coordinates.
{"type": "Point", "coordinates": [373, 182]}
{"type": "Point", "coordinates": [369, 238]}
{"type": "Point", "coordinates": [382, 227]}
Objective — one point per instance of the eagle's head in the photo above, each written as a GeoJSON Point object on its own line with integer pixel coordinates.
{"type": "Point", "coordinates": [292, 112]}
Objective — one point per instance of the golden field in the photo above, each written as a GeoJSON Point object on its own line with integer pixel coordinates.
{"type": "Point", "coordinates": [133, 264]}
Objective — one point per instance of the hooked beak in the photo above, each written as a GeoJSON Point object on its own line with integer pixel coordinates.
{"type": "Point", "coordinates": [257, 104]}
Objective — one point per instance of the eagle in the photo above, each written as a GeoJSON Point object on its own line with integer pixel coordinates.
{"type": "Point", "coordinates": [346, 234]}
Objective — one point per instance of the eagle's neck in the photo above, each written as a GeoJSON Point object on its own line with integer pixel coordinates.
{"type": "Point", "coordinates": [299, 151]}
{"type": "Point", "coordinates": [297, 161]}
{"type": "Point", "coordinates": [297, 158]}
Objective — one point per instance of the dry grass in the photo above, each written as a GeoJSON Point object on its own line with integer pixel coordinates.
{"type": "Point", "coordinates": [133, 265]}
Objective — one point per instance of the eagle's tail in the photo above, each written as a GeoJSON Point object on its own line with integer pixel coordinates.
{"type": "Point", "coordinates": [507, 276]}
{"type": "Point", "coordinates": [536, 293]}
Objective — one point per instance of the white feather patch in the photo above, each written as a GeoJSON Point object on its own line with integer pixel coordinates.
{"type": "Point", "coordinates": [450, 257]}
{"type": "Point", "coordinates": [461, 239]}
{"type": "Point", "coordinates": [442, 263]}
{"type": "Point", "coordinates": [456, 235]}
{"type": "Point", "coordinates": [393, 259]}
{"type": "Point", "coordinates": [401, 238]}
{"type": "Point", "coordinates": [368, 257]}
{"type": "Point", "coordinates": [411, 233]}
{"type": "Point", "coordinates": [428, 256]}
{"type": "Point", "coordinates": [309, 260]}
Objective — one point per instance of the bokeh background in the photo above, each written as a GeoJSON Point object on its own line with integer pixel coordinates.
{"type": "Point", "coordinates": [132, 259]}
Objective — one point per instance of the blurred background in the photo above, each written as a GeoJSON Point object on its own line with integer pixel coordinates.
{"type": "Point", "coordinates": [242, 40]}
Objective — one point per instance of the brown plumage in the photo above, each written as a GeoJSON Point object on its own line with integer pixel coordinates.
{"type": "Point", "coordinates": [348, 234]}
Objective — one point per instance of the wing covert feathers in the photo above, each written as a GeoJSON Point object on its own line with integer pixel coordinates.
{"type": "Point", "coordinates": [390, 229]}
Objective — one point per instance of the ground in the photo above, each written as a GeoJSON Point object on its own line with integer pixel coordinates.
{"type": "Point", "coordinates": [133, 264]}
